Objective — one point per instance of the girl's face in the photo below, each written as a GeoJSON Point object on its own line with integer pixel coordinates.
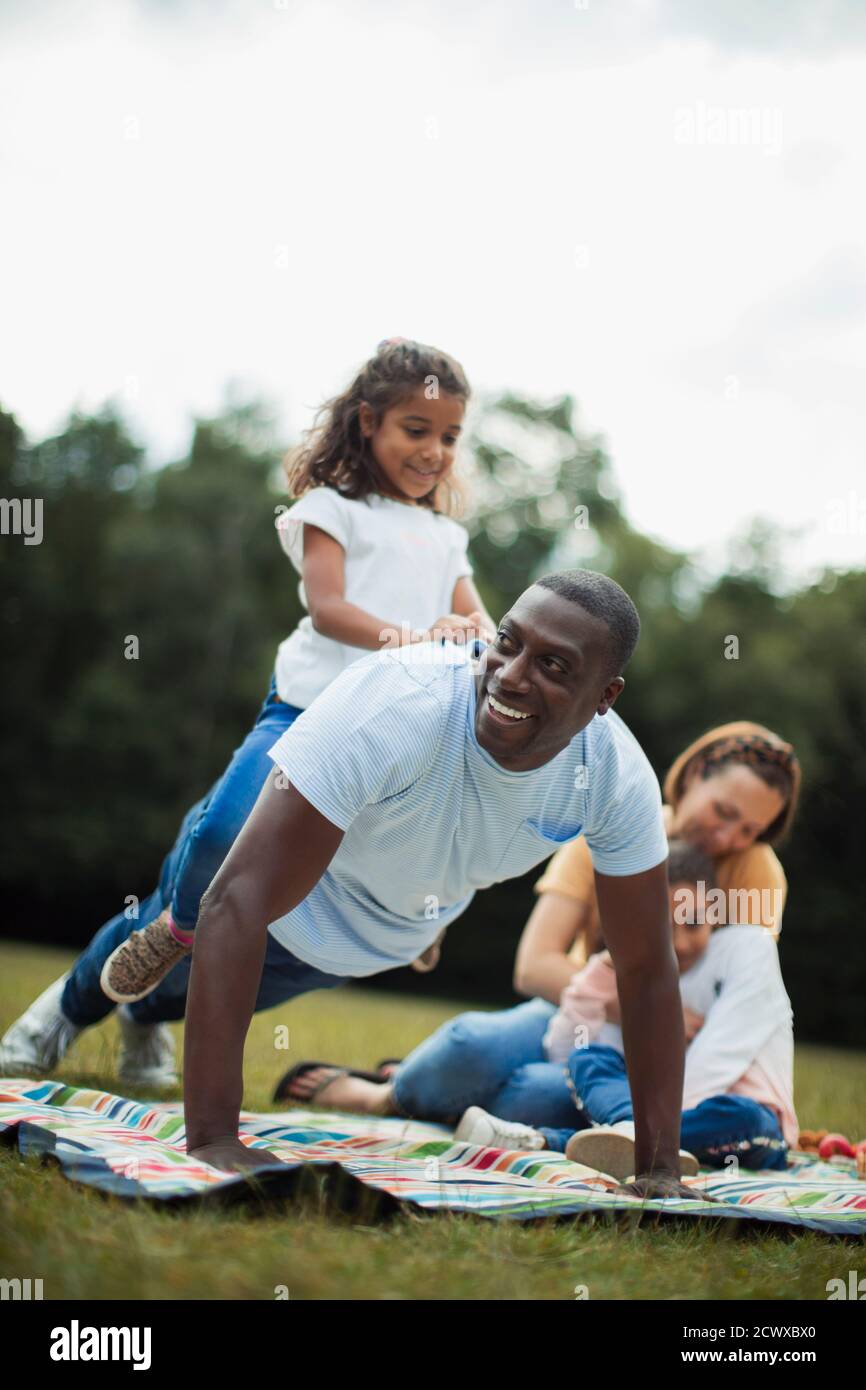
{"type": "Point", "coordinates": [416, 441]}
{"type": "Point", "coordinates": [726, 812]}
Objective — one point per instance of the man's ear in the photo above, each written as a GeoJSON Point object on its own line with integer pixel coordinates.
{"type": "Point", "coordinates": [610, 694]}
{"type": "Point", "coordinates": [366, 419]}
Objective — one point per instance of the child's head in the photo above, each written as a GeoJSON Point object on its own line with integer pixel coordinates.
{"type": "Point", "coordinates": [394, 431]}
{"type": "Point", "coordinates": [688, 866]}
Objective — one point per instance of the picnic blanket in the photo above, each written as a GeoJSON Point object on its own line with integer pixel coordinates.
{"type": "Point", "coordinates": [136, 1149]}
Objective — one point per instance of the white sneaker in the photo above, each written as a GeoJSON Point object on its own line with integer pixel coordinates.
{"type": "Point", "coordinates": [146, 1053]}
{"type": "Point", "coordinates": [38, 1039]}
{"type": "Point", "coordinates": [610, 1149]}
{"type": "Point", "coordinates": [477, 1127]}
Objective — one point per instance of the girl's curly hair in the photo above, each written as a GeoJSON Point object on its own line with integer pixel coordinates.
{"type": "Point", "coordinates": [335, 453]}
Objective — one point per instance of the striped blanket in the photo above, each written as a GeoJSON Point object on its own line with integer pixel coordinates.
{"type": "Point", "coordinates": [136, 1149]}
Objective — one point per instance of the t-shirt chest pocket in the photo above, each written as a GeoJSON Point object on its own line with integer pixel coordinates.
{"type": "Point", "coordinates": [528, 847]}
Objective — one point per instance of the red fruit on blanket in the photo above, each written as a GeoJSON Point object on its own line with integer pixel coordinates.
{"type": "Point", "coordinates": [835, 1144]}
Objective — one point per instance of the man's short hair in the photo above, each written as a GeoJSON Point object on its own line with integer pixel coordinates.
{"type": "Point", "coordinates": [604, 599]}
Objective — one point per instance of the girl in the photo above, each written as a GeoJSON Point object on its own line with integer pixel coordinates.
{"type": "Point", "coordinates": [379, 559]}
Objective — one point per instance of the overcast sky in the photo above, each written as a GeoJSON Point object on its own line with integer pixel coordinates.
{"type": "Point", "coordinates": [656, 205]}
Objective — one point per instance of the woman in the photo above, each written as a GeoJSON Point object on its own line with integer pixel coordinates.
{"type": "Point", "coordinates": [734, 794]}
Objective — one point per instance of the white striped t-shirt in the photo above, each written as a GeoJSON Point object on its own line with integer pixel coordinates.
{"type": "Point", "coordinates": [388, 752]}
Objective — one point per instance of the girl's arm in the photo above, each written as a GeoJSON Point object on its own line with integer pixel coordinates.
{"type": "Point", "coordinates": [333, 616]}
{"type": "Point", "coordinates": [542, 966]}
{"type": "Point", "coordinates": [467, 603]}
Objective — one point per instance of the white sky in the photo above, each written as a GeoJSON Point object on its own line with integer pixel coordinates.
{"type": "Point", "coordinates": [558, 193]}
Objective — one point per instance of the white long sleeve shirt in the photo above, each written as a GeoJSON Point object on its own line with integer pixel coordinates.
{"type": "Point", "coordinates": [746, 1044]}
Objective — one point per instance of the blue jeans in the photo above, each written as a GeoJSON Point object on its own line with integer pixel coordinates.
{"type": "Point", "coordinates": [205, 837]}
{"type": "Point", "coordinates": [221, 814]}
{"type": "Point", "coordinates": [720, 1125]}
{"type": "Point", "coordinates": [494, 1060]}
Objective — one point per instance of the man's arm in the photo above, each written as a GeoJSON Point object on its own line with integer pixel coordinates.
{"type": "Point", "coordinates": [279, 856]}
{"type": "Point", "coordinates": [635, 920]}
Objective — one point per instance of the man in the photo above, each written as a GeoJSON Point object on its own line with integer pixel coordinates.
{"type": "Point", "coordinates": [410, 783]}
{"type": "Point", "coordinates": [413, 780]}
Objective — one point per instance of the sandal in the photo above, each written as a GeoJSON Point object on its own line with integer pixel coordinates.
{"type": "Point", "coordinates": [282, 1091]}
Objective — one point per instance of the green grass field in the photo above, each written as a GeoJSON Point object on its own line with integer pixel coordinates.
{"type": "Point", "coordinates": [84, 1245]}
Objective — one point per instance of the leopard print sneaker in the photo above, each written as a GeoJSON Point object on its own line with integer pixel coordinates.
{"type": "Point", "coordinates": [139, 963]}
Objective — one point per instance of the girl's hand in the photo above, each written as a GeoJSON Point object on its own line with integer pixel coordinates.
{"type": "Point", "coordinates": [459, 629]}
{"type": "Point", "coordinates": [693, 1022]}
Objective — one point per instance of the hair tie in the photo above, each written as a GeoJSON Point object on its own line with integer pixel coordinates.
{"type": "Point", "coordinates": [390, 342]}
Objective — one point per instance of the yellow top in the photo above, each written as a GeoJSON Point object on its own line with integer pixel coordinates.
{"type": "Point", "coordinates": [754, 872]}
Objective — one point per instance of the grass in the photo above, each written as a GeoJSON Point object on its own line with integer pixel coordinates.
{"type": "Point", "coordinates": [85, 1245]}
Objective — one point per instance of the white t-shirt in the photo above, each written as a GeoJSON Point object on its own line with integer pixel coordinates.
{"type": "Point", "coordinates": [402, 563]}
{"type": "Point", "coordinates": [389, 753]}
{"type": "Point", "coordinates": [737, 986]}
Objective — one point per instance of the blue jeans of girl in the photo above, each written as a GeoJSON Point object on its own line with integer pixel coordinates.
{"type": "Point", "coordinates": [205, 837]}
{"type": "Point", "coordinates": [719, 1126]}
{"type": "Point", "coordinates": [495, 1060]}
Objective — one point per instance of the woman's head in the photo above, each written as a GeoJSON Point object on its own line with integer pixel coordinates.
{"type": "Point", "coordinates": [735, 785]}
{"type": "Point", "coordinates": [394, 431]}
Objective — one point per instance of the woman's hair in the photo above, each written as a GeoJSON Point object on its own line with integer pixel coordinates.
{"type": "Point", "coordinates": [741, 744]}
{"type": "Point", "coordinates": [335, 453]}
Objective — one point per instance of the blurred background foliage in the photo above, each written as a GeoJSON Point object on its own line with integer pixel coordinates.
{"type": "Point", "coordinates": [101, 755]}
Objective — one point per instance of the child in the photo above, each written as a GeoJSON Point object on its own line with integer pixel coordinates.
{"type": "Point", "coordinates": [379, 559]}
{"type": "Point", "coordinates": [738, 1084]}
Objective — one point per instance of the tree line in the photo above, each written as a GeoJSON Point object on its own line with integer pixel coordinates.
{"type": "Point", "coordinates": [139, 632]}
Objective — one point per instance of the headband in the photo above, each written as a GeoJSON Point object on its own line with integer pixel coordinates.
{"type": "Point", "coordinates": [749, 748]}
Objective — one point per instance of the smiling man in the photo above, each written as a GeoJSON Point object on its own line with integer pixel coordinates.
{"type": "Point", "coordinates": [417, 778]}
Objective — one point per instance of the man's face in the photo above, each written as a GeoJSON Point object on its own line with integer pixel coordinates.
{"type": "Point", "coordinates": [551, 662]}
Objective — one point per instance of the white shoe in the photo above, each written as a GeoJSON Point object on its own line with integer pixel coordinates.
{"type": "Point", "coordinates": [477, 1127]}
{"type": "Point", "coordinates": [37, 1040]}
{"type": "Point", "coordinates": [610, 1149]}
{"type": "Point", "coordinates": [146, 1053]}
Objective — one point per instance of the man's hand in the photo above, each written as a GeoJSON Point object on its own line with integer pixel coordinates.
{"type": "Point", "coordinates": [662, 1185]}
{"type": "Point", "coordinates": [233, 1156]}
